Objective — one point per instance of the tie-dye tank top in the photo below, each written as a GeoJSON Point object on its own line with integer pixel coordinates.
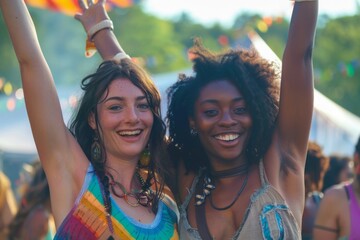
{"type": "Point", "coordinates": [87, 219]}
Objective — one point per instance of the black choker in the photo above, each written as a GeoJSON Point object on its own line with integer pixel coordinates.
{"type": "Point", "coordinates": [232, 172]}
{"type": "Point", "coordinates": [203, 190]}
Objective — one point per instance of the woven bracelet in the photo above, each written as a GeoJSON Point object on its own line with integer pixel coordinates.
{"type": "Point", "coordinates": [104, 24]}
{"type": "Point", "coordinates": [119, 56]}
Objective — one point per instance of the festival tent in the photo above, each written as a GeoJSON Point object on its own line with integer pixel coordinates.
{"type": "Point", "coordinates": [333, 127]}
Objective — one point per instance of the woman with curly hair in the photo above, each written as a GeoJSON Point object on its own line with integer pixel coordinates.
{"type": "Point", "coordinates": [239, 142]}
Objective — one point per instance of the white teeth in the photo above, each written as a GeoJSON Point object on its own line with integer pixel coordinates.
{"type": "Point", "coordinates": [129, 133]}
{"type": "Point", "coordinates": [227, 137]}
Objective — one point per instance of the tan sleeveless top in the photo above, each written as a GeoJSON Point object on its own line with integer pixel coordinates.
{"type": "Point", "coordinates": [267, 216]}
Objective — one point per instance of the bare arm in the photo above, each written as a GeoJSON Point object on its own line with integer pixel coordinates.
{"type": "Point", "coordinates": [297, 90]}
{"type": "Point", "coordinates": [41, 99]}
{"type": "Point", "coordinates": [58, 151]}
{"type": "Point", "coordinates": [285, 159]}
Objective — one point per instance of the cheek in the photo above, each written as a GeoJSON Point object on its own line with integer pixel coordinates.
{"type": "Point", "coordinates": [246, 121]}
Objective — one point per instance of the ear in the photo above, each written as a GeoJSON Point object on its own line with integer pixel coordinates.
{"type": "Point", "coordinates": [91, 121]}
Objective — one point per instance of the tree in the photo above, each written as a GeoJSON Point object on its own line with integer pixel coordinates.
{"type": "Point", "coordinates": [337, 61]}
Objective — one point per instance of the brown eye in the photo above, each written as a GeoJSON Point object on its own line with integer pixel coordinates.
{"type": "Point", "coordinates": [240, 110]}
{"type": "Point", "coordinates": [211, 113]}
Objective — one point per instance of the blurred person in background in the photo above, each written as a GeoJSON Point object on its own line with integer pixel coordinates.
{"type": "Point", "coordinates": [7, 204]}
{"type": "Point", "coordinates": [34, 218]}
{"type": "Point", "coordinates": [339, 213]}
{"type": "Point", "coordinates": [316, 165]}
{"type": "Point", "coordinates": [340, 170]}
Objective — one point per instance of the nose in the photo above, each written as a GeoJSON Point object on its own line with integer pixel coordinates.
{"type": "Point", "coordinates": [132, 115]}
{"type": "Point", "coordinates": [227, 119]}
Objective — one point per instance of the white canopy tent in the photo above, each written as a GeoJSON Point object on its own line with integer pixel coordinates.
{"type": "Point", "coordinates": [333, 127]}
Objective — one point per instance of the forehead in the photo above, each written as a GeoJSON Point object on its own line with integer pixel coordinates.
{"type": "Point", "coordinates": [123, 87]}
{"type": "Point", "coordinates": [220, 88]}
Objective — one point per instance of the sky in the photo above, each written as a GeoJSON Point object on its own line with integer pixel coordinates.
{"type": "Point", "coordinates": [225, 11]}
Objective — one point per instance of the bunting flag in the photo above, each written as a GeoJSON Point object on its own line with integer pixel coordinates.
{"type": "Point", "coordinates": [70, 7]}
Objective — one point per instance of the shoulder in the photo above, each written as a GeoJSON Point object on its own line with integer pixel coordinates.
{"type": "Point", "coordinates": [335, 193]}
{"type": "Point", "coordinates": [334, 200]}
{"type": "Point", "coordinates": [185, 181]}
{"type": "Point", "coordinates": [169, 200]}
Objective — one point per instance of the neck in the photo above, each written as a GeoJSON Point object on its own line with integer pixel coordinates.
{"type": "Point", "coordinates": [122, 171]}
{"type": "Point", "coordinates": [230, 172]}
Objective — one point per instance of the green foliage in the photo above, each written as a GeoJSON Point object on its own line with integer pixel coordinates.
{"type": "Point", "coordinates": [149, 38]}
{"type": "Point", "coordinates": [337, 61]}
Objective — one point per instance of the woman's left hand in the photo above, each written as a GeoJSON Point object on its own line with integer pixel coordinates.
{"type": "Point", "coordinates": [92, 13]}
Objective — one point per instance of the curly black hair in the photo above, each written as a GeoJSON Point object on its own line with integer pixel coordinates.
{"type": "Point", "coordinates": [357, 147]}
{"type": "Point", "coordinates": [94, 87]}
{"type": "Point", "coordinates": [255, 77]}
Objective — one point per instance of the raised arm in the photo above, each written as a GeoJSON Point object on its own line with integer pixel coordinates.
{"type": "Point", "coordinates": [41, 99]}
{"type": "Point", "coordinates": [297, 90]}
{"type": "Point", "coordinates": [285, 160]}
{"type": "Point", "coordinates": [59, 153]}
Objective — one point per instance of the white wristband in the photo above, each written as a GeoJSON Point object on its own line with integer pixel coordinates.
{"type": "Point", "coordinates": [99, 26]}
{"type": "Point", "coordinates": [119, 56]}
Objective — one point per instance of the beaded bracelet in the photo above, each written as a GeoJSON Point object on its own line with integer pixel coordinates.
{"type": "Point", "coordinates": [99, 26]}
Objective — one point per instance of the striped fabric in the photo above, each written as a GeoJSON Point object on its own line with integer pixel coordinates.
{"type": "Point", "coordinates": [71, 7]}
{"type": "Point", "coordinates": [87, 220]}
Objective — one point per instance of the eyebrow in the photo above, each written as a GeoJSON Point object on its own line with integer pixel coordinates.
{"type": "Point", "coordinates": [121, 99]}
{"type": "Point", "coordinates": [213, 101]}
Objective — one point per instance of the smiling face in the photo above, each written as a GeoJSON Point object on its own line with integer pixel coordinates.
{"type": "Point", "coordinates": [126, 120]}
{"type": "Point", "coordinates": [222, 121]}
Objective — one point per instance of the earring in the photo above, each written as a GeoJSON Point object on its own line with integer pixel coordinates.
{"type": "Point", "coordinates": [96, 149]}
{"type": "Point", "coordinates": [145, 157]}
{"type": "Point", "coordinates": [193, 132]}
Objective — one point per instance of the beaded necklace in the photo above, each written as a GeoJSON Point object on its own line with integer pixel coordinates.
{"type": "Point", "coordinates": [134, 197]}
